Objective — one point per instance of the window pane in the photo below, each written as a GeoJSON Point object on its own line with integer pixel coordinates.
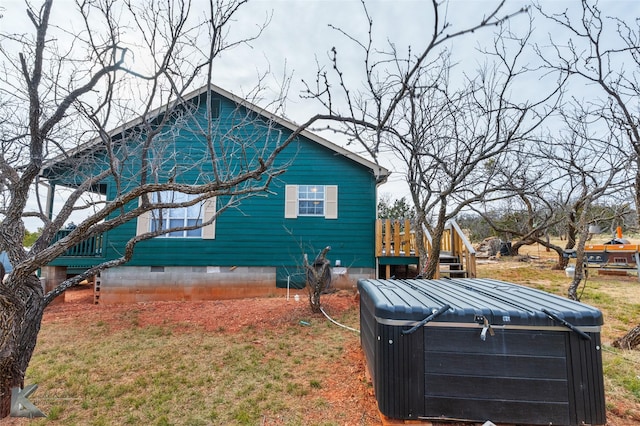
{"type": "Point", "coordinates": [175, 223]}
{"type": "Point", "coordinates": [193, 211]}
{"type": "Point", "coordinates": [155, 225]}
{"type": "Point", "coordinates": [176, 213]}
{"type": "Point", "coordinates": [311, 207]}
{"type": "Point", "coordinates": [311, 200]}
{"type": "Point", "coordinates": [194, 232]}
{"type": "Point", "coordinates": [176, 217]}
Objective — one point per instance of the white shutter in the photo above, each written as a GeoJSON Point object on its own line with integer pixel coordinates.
{"type": "Point", "coordinates": [209, 210]}
{"type": "Point", "coordinates": [331, 202]}
{"type": "Point", "coordinates": [291, 202]}
{"type": "Point", "coordinates": [142, 227]}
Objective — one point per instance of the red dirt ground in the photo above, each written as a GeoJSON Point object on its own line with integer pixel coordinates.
{"type": "Point", "coordinates": [349, 391]}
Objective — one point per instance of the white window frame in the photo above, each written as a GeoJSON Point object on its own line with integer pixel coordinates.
{"type": "Point", "coordinates": [311, 200]}
{"type": "Point", "coordinates": [201, 212]}
{"type": "Point", "coordinates": [329, 201]}
{"type": "Point", "coordinates": [176, 217]}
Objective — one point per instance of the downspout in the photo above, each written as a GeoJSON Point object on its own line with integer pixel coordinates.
{"type": "Point", "coordinates": [51, 189]}
{"type": "Point", "coordinates": [48, 208]}
{"type": "Point", "coordinates": [381, 178]}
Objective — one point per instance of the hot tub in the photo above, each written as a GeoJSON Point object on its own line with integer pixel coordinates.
{"type": "Point", "coordinates": [481, 349]}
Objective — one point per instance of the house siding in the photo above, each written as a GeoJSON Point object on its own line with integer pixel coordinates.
{"type": "Point", "coordinates": [257, 234]}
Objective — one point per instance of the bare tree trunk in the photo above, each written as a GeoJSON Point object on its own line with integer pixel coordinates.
{"type": "Point", "coordinates": [629, 340]}
{"type": "Point", "coordinates": [637, 196]}
{"type": "Point", "coordinates": [514, 250]}
{"type": "Point", "coordinates": [20, 317]}
{"type": "Point", "coordinates": [575, 283]}
{"type": "Point", "coordinates": [582, 238]}
{"type": "Point", "coordinates": [562, 261]}
{"type": "Point", "coordinates": [5, 397]}
{"type": "Point", "coordinates": [422, 249]}
{"type": "Point", "coordinates": [434, 256]}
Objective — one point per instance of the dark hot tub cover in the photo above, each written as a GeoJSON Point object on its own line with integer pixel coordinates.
{"type": "Point", "coordinates": [481, 349]}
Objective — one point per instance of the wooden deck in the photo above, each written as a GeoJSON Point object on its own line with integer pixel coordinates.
{"type": "Point", "coordinates": [396, 246]}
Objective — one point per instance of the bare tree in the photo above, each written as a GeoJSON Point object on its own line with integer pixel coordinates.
{"type": "Point", "coordinates": [588, 162]}
{"type": "Point", "coordinates": [535, 209]}
{"type": "Point", "coordinates": [602, 52]}
{"type": "Point", "coordinates": [454, 141]}
{"type": "Point", "coordinates": [388, 75]}
{"type": "Point", "coordinates": [62, 87]}
{"type": "Point", "coordinates": [524, 216]}
{"type": "Point", "coordinates": [526, 211]}
{"type": "Point", "coordinates": [447, 137]}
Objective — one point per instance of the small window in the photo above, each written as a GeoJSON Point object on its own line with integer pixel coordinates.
{"type": "Point", "coordinates": [310, 200]}
{"type": "Point", "coordinates": [176, 217]}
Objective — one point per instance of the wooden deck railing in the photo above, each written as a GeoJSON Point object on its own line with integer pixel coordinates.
{"type": "Point", "coordinates": [396, 239]}
{"type": "Point", "coordinates": [462, 246]}
{"type": "Point", "coordinates": [91, 247]}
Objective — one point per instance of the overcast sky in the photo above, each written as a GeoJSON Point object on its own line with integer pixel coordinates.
{"type": "Point", "coordinates": [299, 34]}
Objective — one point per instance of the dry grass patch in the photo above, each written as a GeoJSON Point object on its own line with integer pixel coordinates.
{"type": "Point", "coordinates": [280, 366]}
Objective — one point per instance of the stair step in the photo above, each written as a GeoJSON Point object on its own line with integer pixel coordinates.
{"type": "Point", "coordinates": [453, 271]}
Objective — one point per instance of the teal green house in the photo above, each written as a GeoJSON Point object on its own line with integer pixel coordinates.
{"type": "Point", "coordinates": [325, 196]}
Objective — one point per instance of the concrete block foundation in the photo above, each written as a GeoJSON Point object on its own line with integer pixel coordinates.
{"type": "Point", "coordinates": [130, 284]}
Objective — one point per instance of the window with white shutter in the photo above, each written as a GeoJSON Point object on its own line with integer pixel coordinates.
{"type": "Point", "coordinates": [311, 200]}
{"type": "Point", "coordinates": [178, 217]}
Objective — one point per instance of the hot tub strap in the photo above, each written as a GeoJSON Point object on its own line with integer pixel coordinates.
{"type": "Point", "coordinates": [427, 319]}
{"type": "Point", "coordinates": [486, 327]}
{"type": "Point", "coordinates": [567, 324]}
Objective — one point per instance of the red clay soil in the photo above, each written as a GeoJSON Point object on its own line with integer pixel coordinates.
{"type": "Point", "coordinates": [349, 391]}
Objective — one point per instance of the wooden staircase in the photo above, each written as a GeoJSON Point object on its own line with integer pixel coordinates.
{"type": "Point", "coordinates": [451, 266]}
{"type": "Point", "coordinates": [396, 248]}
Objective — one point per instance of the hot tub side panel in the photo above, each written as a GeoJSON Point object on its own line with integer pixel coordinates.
{"type": "Point", "coordinates": [515, 376]}
{"type": "Point", "coordinates": [507, 378]}
{"type": "Point", "coordinates": [399, 373]}
{"type": "Point", "coordinates": [531, 370]}
{"type": "Point", "coordinates": [394, 362]}
{"type": "Point", "coordinates": [587, 400]}
{"type": "Point", "coordinates": [368, 333]}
